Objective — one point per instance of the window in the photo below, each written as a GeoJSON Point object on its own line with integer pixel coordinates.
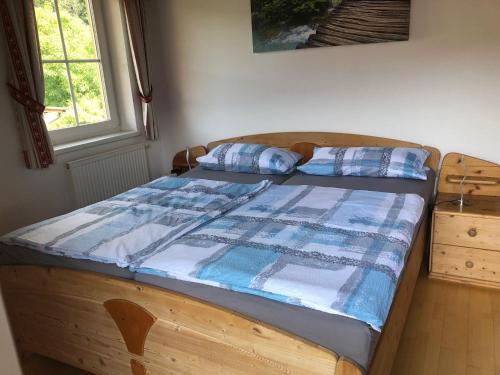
{"type": "Point", "coordinates": [78, 88]}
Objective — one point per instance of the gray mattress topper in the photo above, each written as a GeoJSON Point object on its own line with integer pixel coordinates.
{"type": "Point", "coordinates": [17, 255]}
{"type": "Point", "coordinates": [240, 178]}
{"type": "Point", "coordinates": [391, 185]}
{"type": "Point", "coordinates": [358, 339]}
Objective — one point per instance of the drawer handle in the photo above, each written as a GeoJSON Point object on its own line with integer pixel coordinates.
{"type": "Point", "coordinates": [472, 232]}
{"type": "Point", "coordinates": [469, 264]}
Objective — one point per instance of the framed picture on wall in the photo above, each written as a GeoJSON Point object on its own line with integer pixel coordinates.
{"type": "Point", "coordinates": [292, 24]}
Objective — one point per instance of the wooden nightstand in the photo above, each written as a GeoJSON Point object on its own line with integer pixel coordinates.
{"type": "Point", "coordinates": [466, 242]}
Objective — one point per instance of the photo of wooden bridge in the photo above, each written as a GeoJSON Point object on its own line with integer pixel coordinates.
{"type": "Point", "coordinates": [363, 21]}
{"type": "Point", "coordinates": [296, 24]}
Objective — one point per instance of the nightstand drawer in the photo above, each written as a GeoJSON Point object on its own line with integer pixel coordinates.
{"type": "Point", "coordinates": [466, 263]}
{"type": "Point", "coordinates": [467, 231]}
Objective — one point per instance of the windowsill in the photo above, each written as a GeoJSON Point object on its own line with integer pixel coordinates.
{"type": "Point", "coordinates": [96, 141]}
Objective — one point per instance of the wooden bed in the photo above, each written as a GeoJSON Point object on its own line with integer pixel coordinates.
{"type": "Point", "coordinates": [114, 326]}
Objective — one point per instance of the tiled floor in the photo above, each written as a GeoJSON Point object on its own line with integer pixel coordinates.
{"type": "Point", "coordinates": [451, 330]}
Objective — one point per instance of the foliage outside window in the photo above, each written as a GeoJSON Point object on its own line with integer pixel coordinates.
{"type": "Point", "coordinates": [75, 93]}
{"type": "Point", "coordinates": [290, 12]}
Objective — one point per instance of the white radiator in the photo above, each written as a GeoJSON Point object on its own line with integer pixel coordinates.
{"type": "Point", "coordinates": [104, 175]}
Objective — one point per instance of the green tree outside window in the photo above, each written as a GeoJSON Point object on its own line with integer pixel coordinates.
{"type": "Point", "coordinates": [74, 93]}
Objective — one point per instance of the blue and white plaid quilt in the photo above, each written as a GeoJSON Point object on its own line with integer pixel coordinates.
{"type": "Point", "coordinates": [136, 223]}
{"type": "Point", "coordinates": [334, 250]}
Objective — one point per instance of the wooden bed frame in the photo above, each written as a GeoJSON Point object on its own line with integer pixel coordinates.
{"type": "Point", "coordinates": [107, 325]}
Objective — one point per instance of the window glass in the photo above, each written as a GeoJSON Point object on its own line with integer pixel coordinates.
{"type": "Point", "coordinates": [48, 30]}
{"type": "Point", "coordinates": [59, 112]}
{"type": "Point", "coordinates": [89, 95]}
{"type": "Point", "coordinates": [74, 83]}
{"type": "Point", "coordinates": [78, 29]}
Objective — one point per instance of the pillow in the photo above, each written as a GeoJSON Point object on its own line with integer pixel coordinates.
{"type": "Point", "coordinates": [368, 162]}
{"type": "Point", "coordinates": [250, 158]}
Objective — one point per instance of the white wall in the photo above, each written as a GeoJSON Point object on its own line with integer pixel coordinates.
{"type": "Point", "coordinates": [8, 357]}
{"type": "Point", "coordinates": [442, 88]}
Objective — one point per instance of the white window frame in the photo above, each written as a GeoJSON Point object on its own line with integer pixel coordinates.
{"type": "Point", "coordinates": [110, 126]}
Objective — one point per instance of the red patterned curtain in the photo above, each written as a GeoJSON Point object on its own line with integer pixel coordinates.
{"type": "Point", "coordinates": [26, 80]}
{"type": "Point", "coordinates": [136, 24]}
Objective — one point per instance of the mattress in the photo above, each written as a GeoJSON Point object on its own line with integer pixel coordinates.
{"type": "Point", "coordinates": [358, 339]}
{"type": "Point", "coordinates": [17, 255]}
{"type": "Point", "coordinates": [240, 178]}
{"type": "Point", "coordinates": [391, 185]}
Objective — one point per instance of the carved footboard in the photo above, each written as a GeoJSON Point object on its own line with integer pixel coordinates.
{"type": "Point", "coordinates": [112, 326]}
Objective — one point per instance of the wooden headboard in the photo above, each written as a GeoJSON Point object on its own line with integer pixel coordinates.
{"type": "Point", "coordinates": [480, 177]}
{"type": "Point", "coordinates": [304, 142]}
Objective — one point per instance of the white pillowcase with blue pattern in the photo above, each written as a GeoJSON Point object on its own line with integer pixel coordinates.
{"type": "Point", "coordinates": [399, 162]}
{"type": "Point", "coordinates": [250, 158]}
